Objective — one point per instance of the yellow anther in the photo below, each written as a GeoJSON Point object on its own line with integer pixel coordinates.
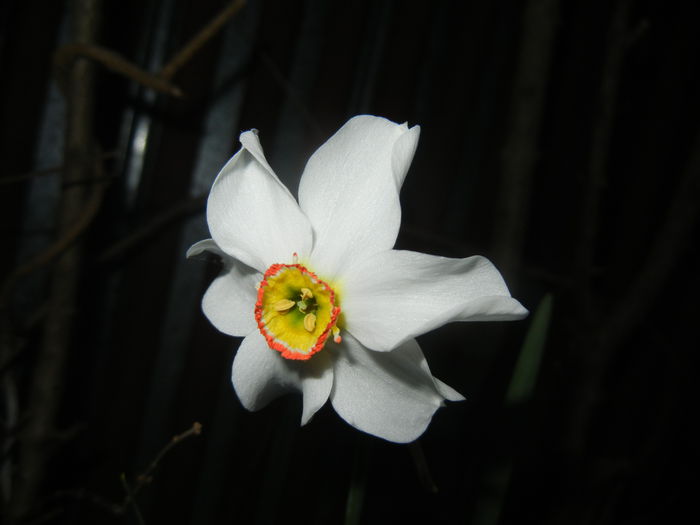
{"type": "Point", "coordinates": [283, 305]}
{"type": "Point", "coordinates": [306, 294]}
{"type": "Point", "coordinates": [309, 322]}
{"type": "Point", "coordinates": [336, 335]}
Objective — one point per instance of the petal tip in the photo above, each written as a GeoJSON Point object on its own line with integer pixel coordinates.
{"type": "Point", "coordinates": [519, 311]}
{"type": "Point", "coordinates": [206, 245]}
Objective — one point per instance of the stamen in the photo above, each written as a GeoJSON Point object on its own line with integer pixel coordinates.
{"type": "Point", "coordinates": [284, 305]}
{"type": "Point", "coordinates": [309, 322]}
{"type": "Point", "coordinates": [336, 335]}
{"type": "Point", "coordinates": [295, 257]}
{"type": "Point", "coordinates": [295, 311]}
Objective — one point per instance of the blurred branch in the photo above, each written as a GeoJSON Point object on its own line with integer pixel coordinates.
{"type": "Point", "coordinates": [597, 348]}
{"type": "Point", "coordinates": [14, 179]}
{"type": "Point", "coordinates": [627, 315]}
{"type": "Point", "coordinates": [358, 484]}
{"type": "Point", "coordinates": [68, 53]}
{"type": "Point", "coordinates": [75, 76]}
{"type": "Point", "coordinates": [289, 90]}
{"type": "Point", "coordinates": [46, 383]}
{"type": "Point", "coordinates": [673, 238]}
{"type": "Point", "coordinates": [520, 152]}
{"type": "Point", "coordinates": [422, 467]}
{"type": "Point", "coordinates": [207, 33]}
{"type": "Point", "coordinates": [68, 237]}
{"type": "Point", "coordinates": [589, 226]}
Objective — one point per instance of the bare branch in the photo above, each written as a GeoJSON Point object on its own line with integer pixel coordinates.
{"type": "Point", "coordinates": [47, 376]}
{"type": "Point", "coordinates": [520, 152]}
{"type": "Point", "coordinates": [60, 245]}
{"type": "Point", "coordinates": [67, 54]}
{"type": "Point", "coordinates": [589, 226]}
{"type": "Point", "coordinates": [207, 33]}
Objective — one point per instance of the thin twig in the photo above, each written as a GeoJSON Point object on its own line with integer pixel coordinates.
{"type": "Point", "coordinates": [147, 476]}
{"type": "Point", "coordinates": [130, 500]}
{"type": "Point", "coordinates": [46, 517]}
{"type": "Point", "coordinates": [94, 499]}
{"type": "Point", "coordinates": [14, 179]}
{"type": "Point", "coordinates": [115, 62]}
{"type": "Point", "coordinates": [61, 244]}
{"type": "Point", "coordinates": [208, 32]}
{"type": "Point", "coordinates": [289, 90]}
{"type": "Point", "coordinates": [90, 180]}
{"type": "Point", "coordinates": [119, 509]}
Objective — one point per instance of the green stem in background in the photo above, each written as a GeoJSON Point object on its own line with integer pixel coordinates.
{"type": "Point", "coordinates": [497, 475]}
{"type": "Point", "coordinates": [422, 468]}
{"type": "Point", "coordinates": [527, 368]}
{"type": "Point", "coordinates": [358, 484]}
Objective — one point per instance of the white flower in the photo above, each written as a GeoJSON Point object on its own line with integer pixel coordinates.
{"type": "Point", "coordinates": [325, 305]}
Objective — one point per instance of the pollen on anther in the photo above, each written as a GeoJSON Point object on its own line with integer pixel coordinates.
{"type": "Point", "coordinates": [295, 311]}
{"type": "Point", "coordinates": [309, 322]}
{"type": "Point", "coordinates": [283, 305]}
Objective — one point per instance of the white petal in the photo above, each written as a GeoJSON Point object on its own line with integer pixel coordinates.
{"type": "Point", "coordinates": [350, 190]}
{"type": "Point", "coordinates": [391, 395]}
{"type": "Point", "coordinates": [229, 302]}
{"type": "Point", "coordinates": [251, 215]}
{"type": "Point", "coordinates": [317, 381]}
{"type": "Point", "coordinates": [395, 295]}
{"type": "Point", "coordinates": [206, 245]}
{"type": "Point", "coordinates": [447, 391]}
{"type": "Point", "coordinates": [260, 374]}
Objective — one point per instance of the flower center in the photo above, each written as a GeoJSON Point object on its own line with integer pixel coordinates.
{"type": "Point", "coordinates": [296, 311]}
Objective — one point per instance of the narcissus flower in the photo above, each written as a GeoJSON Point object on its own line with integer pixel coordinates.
{"type": "Point", "coordinates": [326, 306]}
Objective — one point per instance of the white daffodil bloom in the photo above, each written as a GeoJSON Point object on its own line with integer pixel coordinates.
{"type": "Point", "coordinates": [326, 306]}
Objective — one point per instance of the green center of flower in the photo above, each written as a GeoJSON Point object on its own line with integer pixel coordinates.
{"type": "Point", "coordinates": [296, 311]}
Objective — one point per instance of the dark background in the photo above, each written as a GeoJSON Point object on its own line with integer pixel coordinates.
{"type": "Point", "coordinates": [560, 139]}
